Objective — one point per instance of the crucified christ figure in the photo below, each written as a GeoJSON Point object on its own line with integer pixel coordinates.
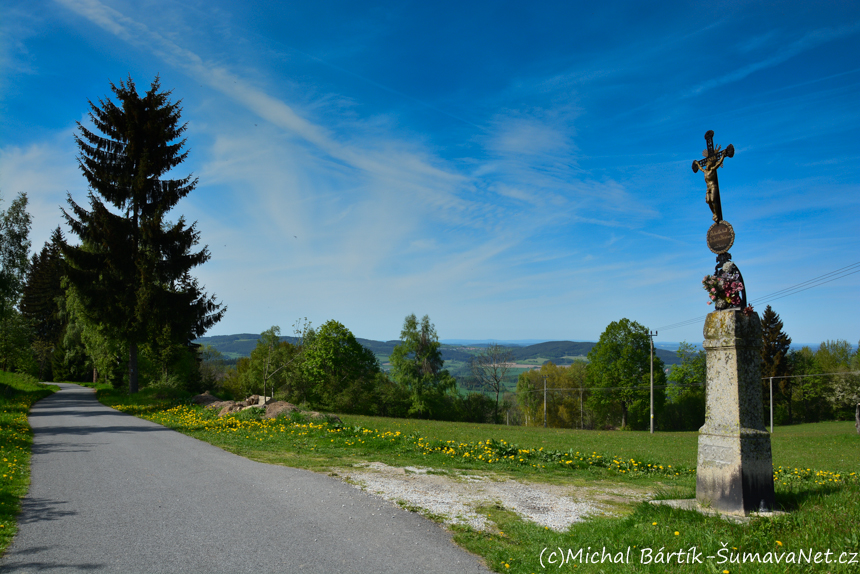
{"type": "Point", "coordinates": [712, 196]}
{"type": "Point", "coordinates": [714, 159]}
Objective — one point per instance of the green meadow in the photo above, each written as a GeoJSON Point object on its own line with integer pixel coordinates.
{"type": "Point", "coordinates": [816, 479]}
{"type": "Point", "coordinates": [17, 395]}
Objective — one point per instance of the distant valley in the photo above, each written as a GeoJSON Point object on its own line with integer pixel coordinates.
{"type": "Point", "coordinates": [455, 356]}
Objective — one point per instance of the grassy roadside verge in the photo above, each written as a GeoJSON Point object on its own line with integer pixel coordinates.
{"type": "Point", "coordinates": [823, 503]}
{"type": "Point", "coordinates": [17, 395]}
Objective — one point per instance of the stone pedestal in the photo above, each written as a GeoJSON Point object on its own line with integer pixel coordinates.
{"type": "Point", "coordinates": [735, 466]}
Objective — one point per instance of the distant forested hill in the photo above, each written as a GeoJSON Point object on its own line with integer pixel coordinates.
{"type": "Point", "coordinates": [232, 346]}
{"type": "Point", "coordinates": [559, 352]}
{"type": "Point", "coordinates": [554, 349]}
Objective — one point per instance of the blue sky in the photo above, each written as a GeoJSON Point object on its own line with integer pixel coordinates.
{"type": "Point", "coordinates": [514, 170]}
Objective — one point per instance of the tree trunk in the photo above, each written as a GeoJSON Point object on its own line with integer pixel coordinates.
{"type": "Point", "coordinates": [95, 375]}
{"type": "Point", "coordinates": [805, 409]}
{"type": "Point", "coordinates": [623, 415]}
{"type": "Point", "coordinates": [132, 367]}
{"type": "Point", "coordinates": [857, 418]}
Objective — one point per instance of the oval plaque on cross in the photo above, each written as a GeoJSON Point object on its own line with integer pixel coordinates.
{"type": "Point", "coordinates": [721, 237]}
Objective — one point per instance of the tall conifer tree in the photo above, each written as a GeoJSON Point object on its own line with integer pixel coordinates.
{"type": "Point", "coordinates": [775, 345]}
{"type": "Point", "coordinates": [417, 365]}
{"type": "Point", "coordinates": [774, 355]}
{"type": "Point", "coordinates": [131, 270]}
{"type": "Point", "coordinates": [43, 289]}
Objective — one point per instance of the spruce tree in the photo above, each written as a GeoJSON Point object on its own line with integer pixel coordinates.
{"type": "Point", "coordinates": [43, 289]}
{"type": "Point", "coordinates": [774, 355]}
{"type": "Point", "coordinates": [131, 270]}
{"type": "Point", "coordinates": [417, 366]}
{"type": "Point", "coordinates": [40, 301]}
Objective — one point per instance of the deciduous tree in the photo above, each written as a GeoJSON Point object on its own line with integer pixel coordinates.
{"type": "Point", "coordinates": [269, 363]}
{"type": "Point", "coordinates": [838, 357]}
{"type": "Point", "coordinates": [620, 362]}
{"type": "Point", "coordinates": [810, 391]}
{"type": "Point", "coordinates": [336, 365]}
{"type": "Point", "coordinates": [14, 252]}
{"type": "Point", "coordinates": [14, 262]}
{"type": "Point", "coordinates": [489, 368]}
{"type": "Point", "coordinates": [685, 393]}
{"type": "Point", "coordinates": [565, 393]}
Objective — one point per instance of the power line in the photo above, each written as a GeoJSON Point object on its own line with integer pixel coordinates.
{"type": "Point", "coordinates": [683, 323]}
{"type": "Point", "coordinates": [796, 289]}
{"type": "Point", "coordinates": [678, 385]}
{"type": "Point", "coordinates": [847, 270]}
{"type": "Point", "coordinates": [550, 389]}
{"type": "Point", "coordinates": [812, 375]}
{"type": "Point", "coordinates": [808, 284]}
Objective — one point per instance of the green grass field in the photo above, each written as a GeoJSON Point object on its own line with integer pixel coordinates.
{"type": "Point", "coordinates": [17, 395]}
{"type": "Point", "coordinates": [818, 485]}
{"type": "Point", "coordinates": [830, 445]}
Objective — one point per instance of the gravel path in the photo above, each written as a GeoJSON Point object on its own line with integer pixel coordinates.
{"type": "Point", "coordinates": [454, 498]}
{"type": "Point", "coordinates": [114, 493]}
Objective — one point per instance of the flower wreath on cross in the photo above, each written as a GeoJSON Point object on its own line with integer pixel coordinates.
{"type": "Point", "coordinates": [725, 289]}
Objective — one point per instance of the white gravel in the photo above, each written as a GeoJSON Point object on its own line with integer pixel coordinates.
{"type": "Point", "coordinates": [455, 499]}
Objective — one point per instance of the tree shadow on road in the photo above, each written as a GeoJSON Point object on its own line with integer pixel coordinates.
{"type": "Point", "coordinates": [91, 430]}
{"type": "Point", "coordinates": [40, 509]}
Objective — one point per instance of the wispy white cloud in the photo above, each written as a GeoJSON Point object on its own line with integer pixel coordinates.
{"type": "Point", "coordinates": [386, 162]}
{"type": "Point", "coordinates": [45, 171]}
{"type": "Point", "coordinates": [16, 56]}
{"type": "Point", "coordinates": [782, 53]}
{"type": "Point", "coordinates": [339, 204]}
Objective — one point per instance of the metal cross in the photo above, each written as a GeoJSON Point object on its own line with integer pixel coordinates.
{"type": "Point", "coordinates": [716, 155]}
{"type": "Point", "coordinates": [713, 160]}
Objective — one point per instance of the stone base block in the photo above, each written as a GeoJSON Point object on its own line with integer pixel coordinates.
{"type": "Point", "coordinates": [735, 473]}
{"type": "Point", "coordinates": [691, 504]}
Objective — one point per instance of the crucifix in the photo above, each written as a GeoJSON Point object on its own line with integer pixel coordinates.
{"type": "Point", "coordinates": [713, 160]}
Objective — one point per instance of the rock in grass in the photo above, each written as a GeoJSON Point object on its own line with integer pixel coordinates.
{"type": "Point", "coordinates": [277, 408]}
{"type": "Point", "coordinates": [273, 409]}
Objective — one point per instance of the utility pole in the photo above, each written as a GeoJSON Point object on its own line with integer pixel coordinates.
{"type": "Point", "coordinates": [581, 415]}
{"type": "Point", "coordinates": [544, 401]}
{"type": "Point", "coordinates": [651, 338]}
{"type": "Point", "coordinates": [771, 405]}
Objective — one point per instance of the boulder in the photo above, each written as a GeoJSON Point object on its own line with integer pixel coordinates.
{"type": "Point", "coordinates": [219, 405]}
{"type": "Point", "coordinates": [315, 416]}
{"type": "Point", "coordinates": [273, 408]}
{"type": "Point", "coordinates": [279, 408]}
{"type": "Point", "coordinates": [230, 408]}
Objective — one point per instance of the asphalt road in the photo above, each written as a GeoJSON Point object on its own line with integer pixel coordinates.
{"type": "Point", "coordinates": [114, 493]}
